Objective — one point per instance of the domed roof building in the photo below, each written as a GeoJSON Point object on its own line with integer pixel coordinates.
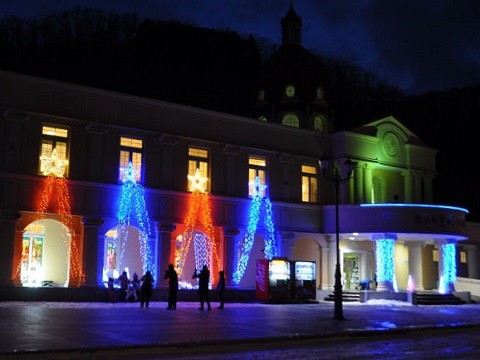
{"type": "Point", "coordinates": [292, 87]}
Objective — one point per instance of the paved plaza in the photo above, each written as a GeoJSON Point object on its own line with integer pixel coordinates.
{"type": "Point", "coordinates": [30, 327]}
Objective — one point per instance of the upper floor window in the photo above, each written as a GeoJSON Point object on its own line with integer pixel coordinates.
{"type": "Point", "coordinates": [291, 120]}
{"type": "Point", "coordinates": [320, 93]}
{"type": "Point", "coordinates": [319, 124]}
{"type": "Point", "coordinates": [463, 257]}
{"type": "Point", "coordinates": [198, 159]}
{"type": "Point", "coordinates": [309, 183]}
{"type": "Point", "coordinates": [256, 167]}
{"type": "Point", "coordinates": [262, 118]}
{"type": "Point", "coordinates": [54, 139]}
{"type": "Point", "coordinates": [261, 95]}
{"type": "Point", "coordinates": [290, 90]}
{"type": "Point", "coordinates": [131, 150]}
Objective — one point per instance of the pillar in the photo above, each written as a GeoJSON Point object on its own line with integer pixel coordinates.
{"type": "Point", "coordinates": [231, 239]}
{"type": "Point", "coordinates": [93, 251]}
{"type": "Point", "coordinates": [368, 184]}
{"type": "Point", "coordinates": [447, 266]}
{"type": "Point", "coordinates": [287, 244]}
{"type": "Point", "coordinates": [408, 189]}
{"type": "Point", "coordinates": [327, 267]}
{"type": "Point", "coordinates": [7, 241]}
{"type": "Point", "coordinates": [384, 261]}
{"type": "Point", "coordinates": [359, 186]}
{"type": "Point", "coordinates": [419, 196]}
{"type": "Point", "coordinates": [165, 248]}
{"type": "Point", "coordinates": [332, 261]}
{"type": "Point", "coordinates": [415, 264]}
{"type": "Point", "coordinates": [472, 261]}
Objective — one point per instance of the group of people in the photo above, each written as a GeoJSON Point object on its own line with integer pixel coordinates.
{"type": "Point", "coordinates": [142, 288]}
{"type": "Point", "coordinates": [203, 280]}
{"type": "Point", "coordinates": [134, 289]}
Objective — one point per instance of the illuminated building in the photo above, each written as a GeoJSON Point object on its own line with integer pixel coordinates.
{"type": "Point", "coordinates": [96, 133]}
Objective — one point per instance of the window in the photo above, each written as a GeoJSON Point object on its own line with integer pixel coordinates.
{"type": "Point", "coordinates": [291, 120]}
{"type": "Point", "coordinates": [318, 124]}
{"type": "Point", "coordinates": [320, 93]}
{"type": "Point", "coordinates": [256, 167]}
{"type": "Point", "coordinates": [131, 151]}
{"type": "Point", "coordinates": [435, 255]}
{"type": "Point", "coordinates": [261, 95]}
{"type": "Point", "coordinates": [262, 118]}
{"type": "Point", "coordinates": [198, 159]}
{"type": "Point", "coordinates": [463, 257]}
{"type": "Point", "coordinates": [309, 183]}
{"type": "Point", "coordinates": [290, 90]}
{"type": "Point", "coordinates": [54, 138]}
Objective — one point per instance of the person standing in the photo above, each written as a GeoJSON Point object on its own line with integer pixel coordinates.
{"type": "Point", "coordinates": [147, 288]}
{"type": "Point", "coordinates": [203, 280]}
{"type": "Point", "coordinates": [221, 289]}
{"type": "Point", "coordinates": [172, 277]}
{"type": "Point", "coordinates": [124, 281]}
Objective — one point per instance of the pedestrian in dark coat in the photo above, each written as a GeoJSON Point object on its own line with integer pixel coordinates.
{"type": "Point", "coordinates": [172, 277]}
{"type": "Point", "coordinates": [124, 281]}
{"type": "Point", "coordinates": [221, 289]}
{"type": "Point", "coordinates": [147, 288]}
{"type": "Point", "coordinates": [203, 280]}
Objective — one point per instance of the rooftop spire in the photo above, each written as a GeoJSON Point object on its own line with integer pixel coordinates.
{"type": "Point", "coordinates": [291, 28]}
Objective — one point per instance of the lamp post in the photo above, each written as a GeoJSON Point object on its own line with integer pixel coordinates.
{"type": "Point", "coordinates": [337, 178]}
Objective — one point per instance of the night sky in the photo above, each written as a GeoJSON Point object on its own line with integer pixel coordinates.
{"type": "Point", "coordinates": [415, 45]}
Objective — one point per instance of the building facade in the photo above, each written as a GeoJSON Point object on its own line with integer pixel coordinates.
{"type": "Point", "coordinates": [93, 182]}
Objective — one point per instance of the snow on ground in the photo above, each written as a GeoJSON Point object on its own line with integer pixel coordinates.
{"type": "Point", "coordinates": [187, 305]}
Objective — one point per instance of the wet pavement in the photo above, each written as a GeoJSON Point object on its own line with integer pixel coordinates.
{"type": "Point", "coordinates": [40, 328]}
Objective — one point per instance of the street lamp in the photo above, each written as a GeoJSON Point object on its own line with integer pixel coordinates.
{"type": "Point", "coordinates": [337, 178]}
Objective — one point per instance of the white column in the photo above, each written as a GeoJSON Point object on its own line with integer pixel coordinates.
{"type": "Point", "coordinates": [384, 260]}
{"type": "Point", "coordinates": [408, 187]}
{"type": "Point", "coordinates": [367, 193]}
{"type": "Point", "coordinates": [415, 264]}
{"type": "Point", "coordinates": [472, 261]}
{"type": "Point", "coordinates": [332, 260]}
{"type": "Point", "coordinates": [325, 270]}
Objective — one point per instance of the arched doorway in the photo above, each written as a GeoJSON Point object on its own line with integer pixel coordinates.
{"type": "Point", "coordinates": [123, 251]}
{"type": "Point", "coordinates": [307, 249]}
{"type": "Point", "coordinates": [45, 254]}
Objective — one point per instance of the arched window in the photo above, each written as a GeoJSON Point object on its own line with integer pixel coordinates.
{"type": "Point", "coordinates": [262, 118]}
{"type": "Point", "coordinates": [319, 124]}
{"type": "Point", "coordinates": [290, 90]}
{"type": "Point", "coordinates": [378, 190]}
{"type": "Point", "coordinates": [291, 120]}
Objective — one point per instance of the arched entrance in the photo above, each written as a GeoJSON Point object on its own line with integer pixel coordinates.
{"type": "Point", "coordinates": [45, 254]}
{"type": "Point", "coordinates": [123, 251]}
{"type": "Point", "coordinates": [307, 249]}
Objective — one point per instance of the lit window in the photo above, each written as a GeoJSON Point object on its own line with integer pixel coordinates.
{"type": "Point", "coordinates": [198, 159]}
{"type": "Point", "coordinates": [463, 257]}
{"type": "Point", "coordinates": [309, 183]}
{"type": "Point", "coordinates": [435, 255]}
{"type": "Point", "coordinates": [291, 120]}
{"type": "Point", "coordinates": [131, 151]}
{"type": "Point", "coordinates": [290, 90]}
{"type": "Point", "coordinates": [319, 124]}
{"type": "Point", "coordinates": [54, 138]}
{"type": "Point", "coordinates": [256, 167]}
{"type": "Point", "coordinates": [320, 93]}
{"type": "Point", "coordinates": [262, 118]}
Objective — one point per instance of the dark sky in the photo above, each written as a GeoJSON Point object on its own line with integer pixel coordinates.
{"type": "Point", "coordinates": [418, 45]}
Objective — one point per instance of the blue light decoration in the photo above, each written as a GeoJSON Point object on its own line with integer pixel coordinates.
{"type": "Point", "coordinates": [449, 268]}
{"type": "Point", "coordinates": [132, 205]}
{"type": "Point", "coordinates": [384, 252]}
{"type": "Point", "coordinates": [258, 198]}
{"type": "Point", "coordinates": [456, 208]}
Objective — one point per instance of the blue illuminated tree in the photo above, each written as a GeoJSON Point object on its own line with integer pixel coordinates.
{"type": "Point", "coordinates": [133, 209]}
{"type": "Point", "coordinates": [258, 199]}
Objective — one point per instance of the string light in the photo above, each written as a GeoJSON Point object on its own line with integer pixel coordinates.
{"type": "Point", "coordinates": [384, 252]}
{"type": "Point", "coordinates": [449, 269]}
{"type": "Point", "coordinates": [133, 208]}
{"type": "Point", "coordinates": [199, 213]}
{"type": "Point", "coordinates": [258, 198]}
{"type": "Point", "coordinates": [55, 184]}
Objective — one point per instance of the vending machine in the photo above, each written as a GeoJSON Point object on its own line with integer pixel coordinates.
{"type": "Point", "coordinates": [273, 282]}
{"type": "Point", "coordinates": [304, 284]}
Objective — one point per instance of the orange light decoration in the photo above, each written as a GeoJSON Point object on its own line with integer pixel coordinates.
{"type": "Point", "coordinates": [54, 169]}
{"type": "Point", "coordinates": [199, 213]}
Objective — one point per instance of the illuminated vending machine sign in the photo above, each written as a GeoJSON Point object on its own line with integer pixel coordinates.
{"type": "Point", "coordinates": [261, 279]}
{"type": "Point", "coordinates": [305, 280]}
{"type": "Point", "coordinates": [279, 280]}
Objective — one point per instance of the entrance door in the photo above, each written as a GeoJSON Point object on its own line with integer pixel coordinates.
{"type": "Point", "coordinates": [351, 271]}
{"type": "Point", "coordinates": [32, 259]}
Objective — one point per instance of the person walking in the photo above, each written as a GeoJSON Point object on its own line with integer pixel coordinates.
{"type": "Point", "coordinates": [147, 288]}
{"type": "Point", "coordinates": [203, 280]}
{"type": "Point", "coordinates": [221, 289]}
{"type": "Point", "coordinates": [172, 277]}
